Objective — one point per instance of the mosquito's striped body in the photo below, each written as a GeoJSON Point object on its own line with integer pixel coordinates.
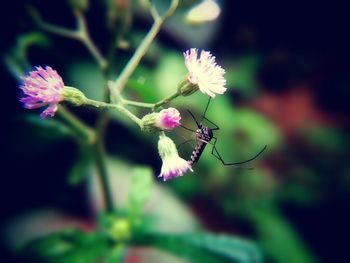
{"type": "Point", "coordinates": [203, 136]}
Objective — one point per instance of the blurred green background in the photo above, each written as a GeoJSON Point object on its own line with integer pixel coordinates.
{"type": "Point", "coordinates": [287, 79]}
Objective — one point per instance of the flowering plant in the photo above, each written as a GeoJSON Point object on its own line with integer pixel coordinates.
{"type": "Point", "coordinates": [118, 230]}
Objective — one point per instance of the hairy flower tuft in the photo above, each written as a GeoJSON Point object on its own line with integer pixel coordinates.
{"type": "Point", "coordinates": [42, 87]}
{"type": "Point", "coordinates": [173, 164]}
{"type": "Point", "coordinates": [166, 119]}
{"type": "Point", "coordinates": [204, 73]}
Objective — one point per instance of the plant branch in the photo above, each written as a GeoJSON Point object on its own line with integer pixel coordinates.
{"type": "Point", "coordinates": [118, 107]}
{"type": "Point", "coordinates": [119, 84]}
{"type": "Point", "coordinates": [137, 103]}
{"type": "Point", "coordinates": [87, 40]}
{"type": "Point", "coordinates": [77, 125]}
{"type": "Point", "coordinates": [147, 105]}
{"type": "Point", "coordinates": [81, 34]}
{"type": "Point", "coordinates": [102, 171]}
{"type": "Point", "coordinates": [166, 100]}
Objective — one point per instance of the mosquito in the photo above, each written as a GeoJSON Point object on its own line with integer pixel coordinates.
{"type": "Point", "coordinates": [205, 136]}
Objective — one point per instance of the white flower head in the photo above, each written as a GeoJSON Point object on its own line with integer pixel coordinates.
{"type": "Point", "coordinates": [173, 164]}
{"type": "Point", "coordinates": [204, 72]}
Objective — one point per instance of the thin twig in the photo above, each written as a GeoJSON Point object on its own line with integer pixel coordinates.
{"type": "Point", "coordinates": [81, 34]}
{"type": "Point", "coordinates": [77, 125]}
{"type": "Point", "coordinates": [119, 84]}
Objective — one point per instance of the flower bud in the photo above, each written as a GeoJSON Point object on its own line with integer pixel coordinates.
{"type": "Point", "coordinates": [45, 87]}
{"type": "Point", "coordinates": [187, 88]}
{"type": "Point", "coordinates": [206, 11]}
{"type": "Point", "coordinates": [73, 96]}
{"type": "Point", "coordinates": [120, 229]}
{"type": "Point", "coordinates": [80, 5]}
{"type": "Point", "coordinates": [166, 119]}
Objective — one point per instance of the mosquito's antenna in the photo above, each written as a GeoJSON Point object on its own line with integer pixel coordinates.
{"type": "Point", "coordinates": [251, 159]}
{"type": "Point", "coordinates": [183, 143]}
{"type": "Point", "coordinates": [187, 128]}
{"type": "Point", "coordinates": [198, 125]}
{"type": "Point", "coordinates": [206, 108]}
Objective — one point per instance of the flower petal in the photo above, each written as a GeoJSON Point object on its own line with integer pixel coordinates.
{"type": "Point", "coordinates": [42, 86]}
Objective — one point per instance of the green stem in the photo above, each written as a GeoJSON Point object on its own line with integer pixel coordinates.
{"type": "Point", "coordinates": [166, 100]}
{"type": "Point", "coordinates": [118, 107]}
{"type": "Point", "coordinates": [147, 105]}
{"type": "Point", "coordinates": [100, 158]}
{"type": "Point", "coordinates": [162, 134]}
{"type": "Point", "coordinates": [94, 137]}
{"type": "Point", "coordinates": [81, 33]}
{"type": "Point", "coordinates": [119, 84]}
{"type": "Point", "coordinates": [85, 37]}
{"type": "Point", "coordinates": [77, 125]}
{"type": "Point", "coordinates": [58, 30]}
{"type": "Point", "coordinates": [137, 103]}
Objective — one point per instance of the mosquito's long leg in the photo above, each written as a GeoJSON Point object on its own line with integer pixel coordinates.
{"type": "Point", "coordinates": [194, 118]}
{"type": "Point", "coordinates": [254, 157]}
{"type": "Point", "coordinates": [206, 108]}
{"type": "Point", "coordinates": [216, 126]}
{"type": "Point", "coordinates": [205, 118]}
{"type": "Point", "coordinates": [218, 156]}
{"type": "Point", "coordinates": [216, 153]}
{"type": "Point", "coordinates": [236, 163]}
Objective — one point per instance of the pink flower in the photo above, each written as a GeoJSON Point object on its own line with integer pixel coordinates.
{"type": "Point", "coordinates": [42, 87]}
{"type": "Point", "coordinates": [168, 119]}
{"type": "Point", "coordinates": [204, 72]}
{"type": "Point", "coordinates": [173, 164]}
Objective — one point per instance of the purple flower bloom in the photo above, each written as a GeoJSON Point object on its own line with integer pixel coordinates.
{"type": "Point", "coordinates": [42, 87]}
{"type": "Point", "coordinates": [173, 164]}
{"type": "Point", "coordinates": [168, 119]}
{"type": "Point", "coordinates": [204, 72]}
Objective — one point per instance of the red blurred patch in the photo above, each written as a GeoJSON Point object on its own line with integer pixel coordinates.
{"type": "Point", "coordinates": [293, 109]}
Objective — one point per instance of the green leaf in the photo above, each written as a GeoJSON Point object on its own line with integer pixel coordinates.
{"type": "Point", "coordinates": [86, 75]}
{"type": "Point", "coordinates": [48, 128]}
{"type": "Point", "coordinates": [69, 246]}
{"type": "Point", "coordinates": [142, 87]}
{"type": "Point", "coordinates": [169, 73]}
{"type": "Point", "coordinates": [116, 254]}
{"type": "Point", "coordinates": [203, 247]}
{"type": "Point", "coordinates": [324, 137]}
{"type": "Point", "coordinates": [142, 186]}
{"type": "Point", "coordinates": [242, 75]}
{"type": "Point", "coordinates": [33, 135]}
{"type": "Point", "coordinates": [17, 58]}
{"type": "Point", "coordinates": [279, 239]}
